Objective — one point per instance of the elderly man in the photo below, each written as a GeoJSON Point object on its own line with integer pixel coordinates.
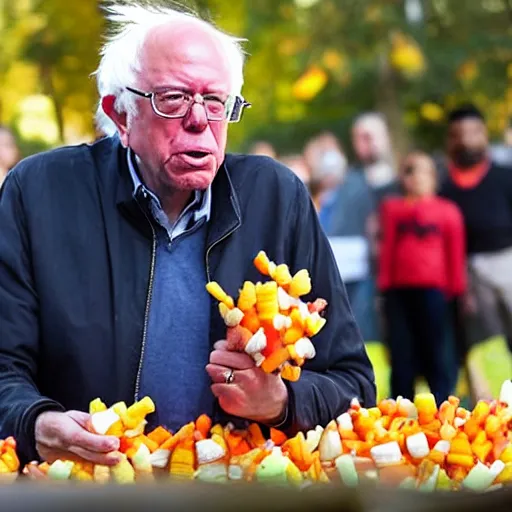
{"type": "Point", "coordinates": [105, 250]}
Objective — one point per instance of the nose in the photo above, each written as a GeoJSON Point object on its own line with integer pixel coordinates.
{"type": "Point", "coordinates": [196, 119]}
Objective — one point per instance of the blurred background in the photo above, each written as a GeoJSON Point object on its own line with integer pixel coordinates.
{"type": "Point", "coordinates": [313, 67]}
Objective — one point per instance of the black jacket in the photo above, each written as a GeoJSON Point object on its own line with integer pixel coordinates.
{"type": "Point", "coordinates": [76, 253]}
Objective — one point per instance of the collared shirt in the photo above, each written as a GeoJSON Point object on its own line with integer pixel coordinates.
{"type": "Point", "coordinates": [199, 208]}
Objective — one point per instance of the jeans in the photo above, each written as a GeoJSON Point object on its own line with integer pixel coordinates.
{"type": "Point", "coordinates": [420, 342]}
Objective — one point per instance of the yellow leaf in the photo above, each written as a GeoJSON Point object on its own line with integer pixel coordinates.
{"type": "Point", "coordinates": [406, 56]}
{"type": "Point", "coordinates": [37, 119]}
{"type": "Point", "coordinates": [333, 60]}
{"type": "Point", "coordinates": [310, 84]}
{"type": "Point", "coordinates": [468, 71]}
{"type": "Point", "coordinates": [432, 112]}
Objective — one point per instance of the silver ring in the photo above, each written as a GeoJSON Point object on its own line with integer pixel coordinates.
{"type": "Point", "coordinates": [229, 376]}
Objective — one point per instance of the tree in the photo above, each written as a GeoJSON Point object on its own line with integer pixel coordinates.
{"type": "Point", "coordinates": [375, 58]}
{"type": "Point", "coordinates": [311, 65]}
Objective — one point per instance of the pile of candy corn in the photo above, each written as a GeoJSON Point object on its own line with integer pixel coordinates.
{"type": "Point", "coordinates": [269, 321]}
{"type": "Point", "coordinates": [401, 443]}
{"type": "Point", "coordinates": [9, 463]}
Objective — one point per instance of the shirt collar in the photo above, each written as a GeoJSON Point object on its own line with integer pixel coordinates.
{"type": "Point", "coordinates": [469, 178]}
{"type": "Point", "coordinates": [201, 205]}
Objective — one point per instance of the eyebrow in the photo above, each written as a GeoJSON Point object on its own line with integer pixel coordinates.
{"type": "Point", "coordinates": [188, 90]}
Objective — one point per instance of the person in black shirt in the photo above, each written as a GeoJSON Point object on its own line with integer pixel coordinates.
{"type": "Point", "coordinates": [483, 191]}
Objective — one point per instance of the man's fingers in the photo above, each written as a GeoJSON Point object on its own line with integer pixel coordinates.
{"type": "Point", "coordinates": [220, 345]}
{"type": "Point", "coordinates": [231, 398]}
{"type": "Point", "coordinates": [82, 418]}
{"type": "Point", "coordinates": [90, 442]}
{"type": "Point", "coordinates": [105, 459]}
{"type": "Point", "coordinates": [235, 360]}
{"type": "Point", "coordinates": [76, 454]}
{"type": "Point", "coordinates": [217, 373]}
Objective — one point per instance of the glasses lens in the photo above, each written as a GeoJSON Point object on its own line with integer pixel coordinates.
{"type": "Point", "coordinates": [215, 109]}
{"type": "Point", "coordinates": [172, 103]}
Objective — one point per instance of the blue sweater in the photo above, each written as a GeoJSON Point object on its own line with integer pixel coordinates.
{"type": "Point", "coordinates": [177, 344]}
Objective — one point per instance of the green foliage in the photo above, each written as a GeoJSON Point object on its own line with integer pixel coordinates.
{"type": "Point", "coordinates": [373, 57]}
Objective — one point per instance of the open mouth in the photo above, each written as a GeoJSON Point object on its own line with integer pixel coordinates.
{"type": "Point", "coordinates": [196, 154]}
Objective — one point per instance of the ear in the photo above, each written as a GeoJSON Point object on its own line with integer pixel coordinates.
{"type": "Point", "coordinates": [120, 120]}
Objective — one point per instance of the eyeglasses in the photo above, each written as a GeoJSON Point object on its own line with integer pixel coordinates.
{"type": "Point", "coordinates": [175, 104]}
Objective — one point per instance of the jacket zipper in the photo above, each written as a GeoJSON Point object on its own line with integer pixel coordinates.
{"type": "Point", "coordinates": [216, 406]}
{"type": "Point", "coordinates": [208, 277]}
{"type": "Point", "coordinates": [148, 305]}
{"type": "Point", "coordinates": [150, 290]}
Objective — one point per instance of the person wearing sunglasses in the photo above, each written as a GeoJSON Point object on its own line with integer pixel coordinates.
{"type": "Point", "coordinates": [106, 249]}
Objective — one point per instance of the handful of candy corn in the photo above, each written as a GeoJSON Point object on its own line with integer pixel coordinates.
{"type": "Point", "coordinates": [126, 423]}
{"type": "Point", "coordinates": [269, 321]}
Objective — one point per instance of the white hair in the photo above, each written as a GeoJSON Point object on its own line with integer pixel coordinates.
{"type": "Point", "coordinates": [120, 55]}
{"type": "Point", "coordinates": [374, 121]}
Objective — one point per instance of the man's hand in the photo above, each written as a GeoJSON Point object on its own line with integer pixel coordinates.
{"type": "Point", "coordinates": [253, 394]}
{"type": "Point", "coordinates": [64, 435]}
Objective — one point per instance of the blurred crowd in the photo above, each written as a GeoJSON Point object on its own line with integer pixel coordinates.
{"type": "Point", "coordinates": [423, 243]}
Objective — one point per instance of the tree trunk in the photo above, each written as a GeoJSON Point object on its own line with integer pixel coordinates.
{"type": "Point", "coordinates": [49, 90]}
{"type": "Point", "coordinates": [388, 103]}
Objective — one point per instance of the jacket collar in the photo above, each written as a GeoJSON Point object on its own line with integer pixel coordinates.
{"type": "Point", "coordinates": [225, 215]}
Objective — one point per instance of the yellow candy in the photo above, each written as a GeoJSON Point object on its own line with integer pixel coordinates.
{"type": "Point", "coordinates": [505, 477]}
{"type": "Point", "coordinates": [141, 408]}
{"type": "Point", "coordinates": [262, 263]}
{"type": "Point", "coordinates": [223, 310]}
{"type": "Point", "coordinates": [247, 297]}
{"type": "Point", "coordinates": [101, 474]}
{"type": "Point", "coordinates": [300, 285]}
{"type": "Point", "coordinates": [3, 467]}
{"type": "Point", "coordinates": [282, 275]}
{"type": "Point", "coordinates": [183, 461]}
{"type": "Point", "coordinates": [427, 407]}
{"type": "Point", "coordinates": [123, 472]}
{"type": "Point", "coordinates": [267, 304]}
{"type": "Point", "coordinates": [119, 408]}
{"type": "Point", "coordinates": [292, 335]}
{"type": "Point", "coordinates": [314, 324]}
{"type": "Point", "coordinates": [218, 293]}
{"type": "Point", "coordinates": [117, 429]}
{"type": "Point", "coordinates": [506, 455]}
{"type": "Point", "coordinates": [97, 406]}
{"type": "Point", "coordinates": [291, 373]}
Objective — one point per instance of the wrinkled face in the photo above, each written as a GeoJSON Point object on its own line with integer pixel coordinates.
{"type": "Point", "coordinates": [9, 154]}
{"type": "Point", "coordinates": [185, 153]}
{"type": "Point", "coordinates": [467, 142]}
{"type": "Point", "coordinates": [419, 176]}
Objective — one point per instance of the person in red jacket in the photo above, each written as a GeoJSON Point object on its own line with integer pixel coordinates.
{"type": "Point", "coordinates": [422, 267]}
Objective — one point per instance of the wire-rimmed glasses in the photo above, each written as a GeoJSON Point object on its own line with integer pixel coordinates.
{"type": "Point", "coordinates": [172, 104]}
